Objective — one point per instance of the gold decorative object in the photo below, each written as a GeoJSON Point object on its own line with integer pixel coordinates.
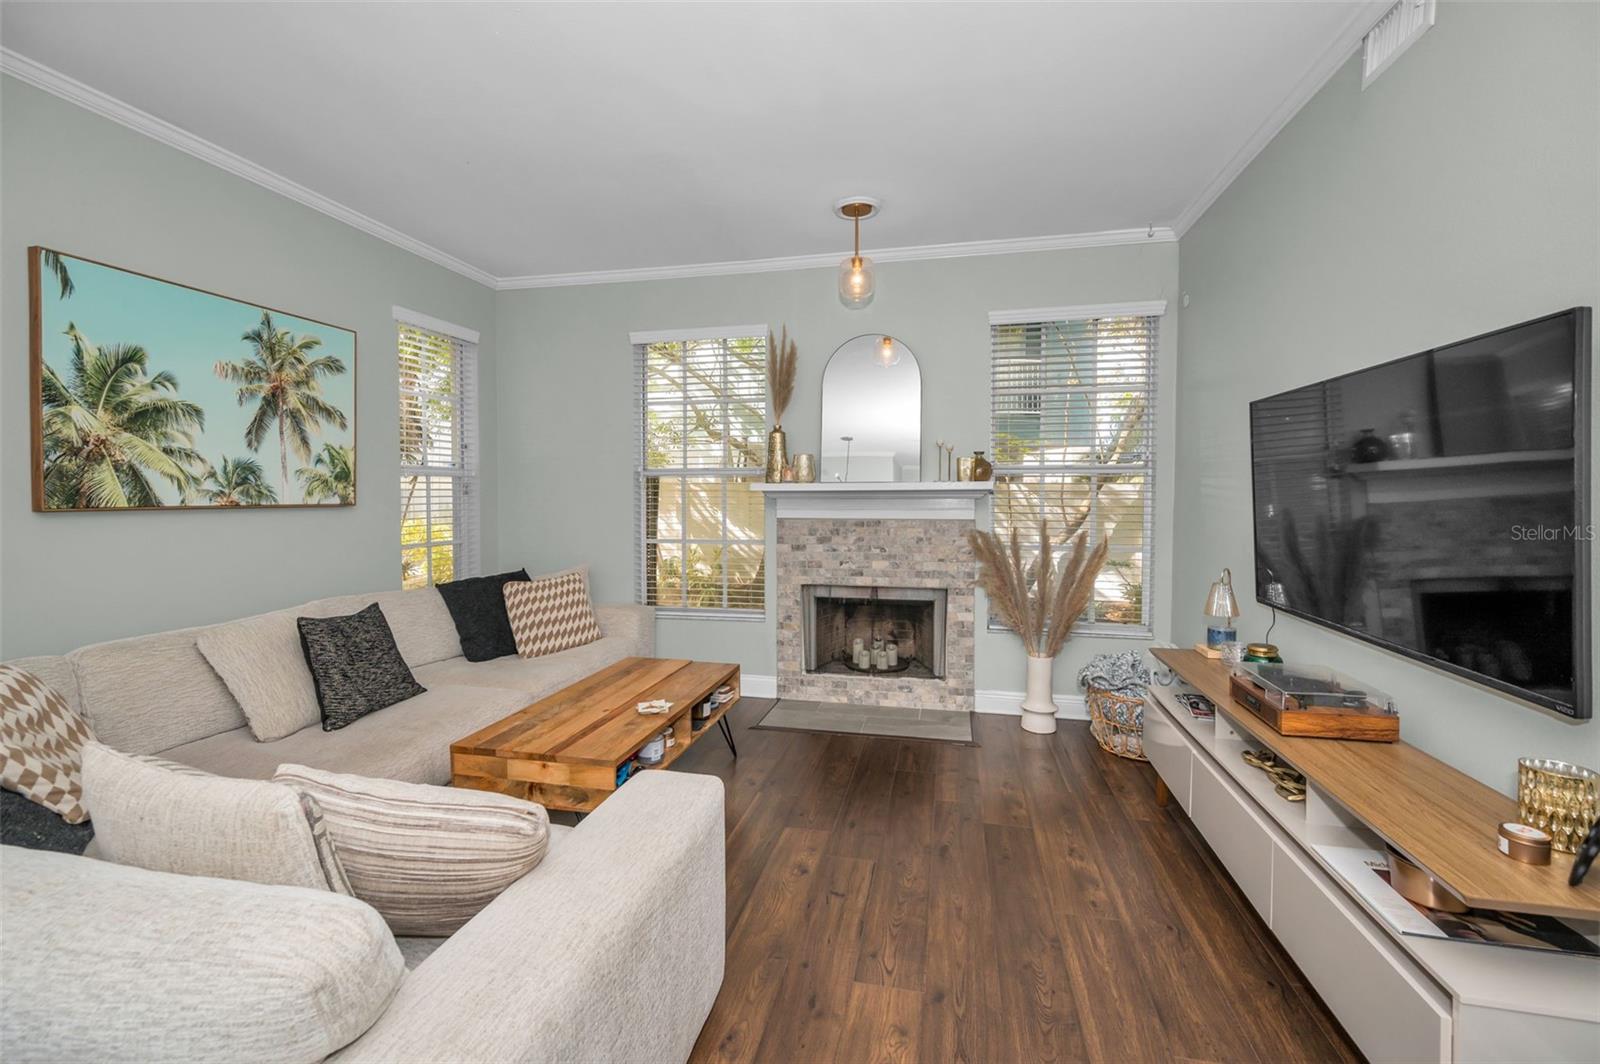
{"type": "Point", "coordinates": [805, 468]}
{"type": "Point", "coordinates": [982, 468]}
{"type": "Point", "coordinates": [963, 469]}
{"type": "Point", "coordinates": [777, 455]}
{"type": "Point", "coordinates": [788, 473]}
{"type": "Point", "coordinates": [1558, 798]}
{"type": "Point", "coordinates": [783, 362]}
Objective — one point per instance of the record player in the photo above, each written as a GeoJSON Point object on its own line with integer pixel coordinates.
{"type": "Point", "coordinates": [1314, 701]}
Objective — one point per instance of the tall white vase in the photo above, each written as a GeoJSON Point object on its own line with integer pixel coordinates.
{"type": "Point", "coordinates": [1039, 707]}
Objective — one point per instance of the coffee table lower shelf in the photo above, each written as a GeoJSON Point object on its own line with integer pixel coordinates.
{"type": "Point", "coordinates": [565, 750]}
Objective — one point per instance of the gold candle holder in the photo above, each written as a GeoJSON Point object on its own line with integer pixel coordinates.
{"type": "Point", "coordinates": [1558, 798]}
{"type": "Point", "coordinates": [964, 469]}
{"type": "Point", "coordinates": [805, 468]}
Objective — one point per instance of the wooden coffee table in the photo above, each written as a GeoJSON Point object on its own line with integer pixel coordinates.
{"type": "Point", "coordinates": [564, 750]}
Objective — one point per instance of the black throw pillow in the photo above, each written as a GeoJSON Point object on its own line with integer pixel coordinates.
{"type": "Point", "coordinates": [478, 606]}
{"type": "Point", "coordinates": [355, 665]}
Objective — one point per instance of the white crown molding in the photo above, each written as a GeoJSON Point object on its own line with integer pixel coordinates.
{"type": "Point", "coordinates": [1148, 235]}
{"type": "Point", "coordinates": [1317, 75]}
{"type": "Point", "coordinates": [91, 99]}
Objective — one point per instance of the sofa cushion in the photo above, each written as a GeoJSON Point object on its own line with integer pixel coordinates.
{"type": "Point", "coordinates": [478, 607]}
{"type": "Point", "coordinates": [55, 672]}
{"type": "Point", "coordinates": [261, 661]}
{"type": "Point", "coordinates": [408, 741]}
{"type": "Point", "coordinates": [551, 613]}
{"type": "Point", "coordinates": [41, 745]}
{"type": "Point", "coordinates": [427, 858]}
{"type": "Point", "coordinates": [106, 962]}
{"type": "Point", "coordinates": [422, 626]}
{"type": "Point", "coordinates": [534, 677]}
{"type": "Point", "coordinates": [153, 692]}
{"type": "Point", "coordinates": [192, 823]}
{"type": "Point", "coordinates": [355, 665]}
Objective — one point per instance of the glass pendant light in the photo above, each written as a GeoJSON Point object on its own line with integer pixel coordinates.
{"type": "Point", "coordinates": [855, 272]}
{"type": "Point", "coordinates": [888, 353]}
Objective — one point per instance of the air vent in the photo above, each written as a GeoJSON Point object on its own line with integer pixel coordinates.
{"type": "Point", "coordinates": [1396, 31]}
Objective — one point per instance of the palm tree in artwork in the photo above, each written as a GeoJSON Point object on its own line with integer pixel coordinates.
{"type": "Point", "coordinates": [285, 382]}
{"type": "Point", "coordinates": [110, 429]}
{"type": "Point", "coordinates": [54, 263]}
{"type": "Point", "coordinates": [331, 477]}
{"type": "Point", "coordinates": [237, 482]}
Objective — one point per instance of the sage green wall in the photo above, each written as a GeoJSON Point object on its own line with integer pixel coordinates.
{"type": "Point", "coordinates": [74, 181]}
{"type": "Point", "coordinates": [567, 392]}
{"type": "Point", "coordinates": [1458, 194]}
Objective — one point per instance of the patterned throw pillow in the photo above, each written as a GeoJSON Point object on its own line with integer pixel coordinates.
{"type": "Point", "coordinates": [41, 745]}
{"type": "Point", "coordinates": [551, 613]}
{"type": "Point", "coordinates": [427, 858]}
{"type": "Point", "coordinates": [356, 666]}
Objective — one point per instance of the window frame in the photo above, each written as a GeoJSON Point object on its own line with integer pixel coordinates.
{"type": "Point", "coordinates": [1039, 316]}
{"type": "Point", "coordinates": [728, 475]}
{"type": "Point", "coordinates": [465, 540]}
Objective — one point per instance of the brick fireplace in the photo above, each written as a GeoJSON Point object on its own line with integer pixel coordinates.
{"type": "Point", "coordinates": [852, 556]}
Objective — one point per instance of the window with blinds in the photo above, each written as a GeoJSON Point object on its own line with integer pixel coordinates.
{"type": "Point", "coordinates": [1073, 400]}
{"type": "Point", "coordinates": [438, 456]}
{"type": "Point", "coordinates": [702, 424]}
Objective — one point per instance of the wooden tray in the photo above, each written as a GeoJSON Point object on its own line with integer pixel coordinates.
{"type": "Point", "coordinates": [1370, 724]}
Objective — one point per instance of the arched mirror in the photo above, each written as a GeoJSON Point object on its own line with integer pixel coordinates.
{"type": "Point", "coordinates": [871, 412]}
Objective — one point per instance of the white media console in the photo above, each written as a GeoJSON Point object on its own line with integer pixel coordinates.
{"type": "Point", "coordinates": [1400, 997]}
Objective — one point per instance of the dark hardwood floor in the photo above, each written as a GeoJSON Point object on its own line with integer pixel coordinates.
{"type": "Point", "coordinates": [1020, 900]}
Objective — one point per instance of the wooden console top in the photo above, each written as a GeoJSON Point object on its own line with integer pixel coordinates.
{"type": "Point", "coordinates": [1440, 818]}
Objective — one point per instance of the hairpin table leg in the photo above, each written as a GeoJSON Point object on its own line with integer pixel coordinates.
{"type": "Point", "coordinates": [727, 733]}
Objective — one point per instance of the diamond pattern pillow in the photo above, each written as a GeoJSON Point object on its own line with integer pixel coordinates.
{"type": "Point", "coordinates": [551, 613]}
{"type": "Point", "coordinates": [41, 745]}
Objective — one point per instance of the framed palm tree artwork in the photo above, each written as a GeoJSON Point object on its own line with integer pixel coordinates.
{"type": "Point", "coordinates": [148, 394]}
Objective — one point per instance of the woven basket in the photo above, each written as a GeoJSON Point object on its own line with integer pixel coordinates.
{"type": "Point", "coordinates": [1117, 723]}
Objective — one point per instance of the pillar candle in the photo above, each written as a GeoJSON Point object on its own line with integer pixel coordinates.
{"type": "Point", "coordinates": [893, 652]}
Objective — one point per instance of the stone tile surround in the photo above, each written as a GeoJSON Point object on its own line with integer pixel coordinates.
{"type": "Point", "coordinates": [886, 552]}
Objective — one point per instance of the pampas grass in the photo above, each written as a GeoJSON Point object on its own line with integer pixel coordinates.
{"type": "Point", "coordinates": [1037, 597]}
{"type": "Point", "coordinates": [783, 361]}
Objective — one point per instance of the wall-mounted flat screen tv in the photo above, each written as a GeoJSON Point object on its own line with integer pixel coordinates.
{"type": "Point", "coordinates": [1438, 506]}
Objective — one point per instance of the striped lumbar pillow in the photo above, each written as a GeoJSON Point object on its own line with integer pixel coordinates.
{"type": "Point", "coordinates": [41, 745]}
{"type": "Point", "coordinates": [551, 613]}
{"type": "Point", "coordinates": [427, 858]}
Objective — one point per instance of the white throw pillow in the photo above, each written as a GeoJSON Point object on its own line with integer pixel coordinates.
{"type": "Point", "coordinates": [100, 961]}
{"type": "Point", "coordinates": [427, 858]}
{"type": "Point", "coordinates": [261, 661]}
{"type": "Point", "coordinates": [173, 818]}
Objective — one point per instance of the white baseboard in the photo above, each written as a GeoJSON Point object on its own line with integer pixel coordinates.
{"type": "Point", "coordinates": [1009, 703]}
{"type": "Point", "coordinates": [758, 686]}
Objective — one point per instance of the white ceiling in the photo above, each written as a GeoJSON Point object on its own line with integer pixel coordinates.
{"type": "Point", "coordinates": [529, 139]}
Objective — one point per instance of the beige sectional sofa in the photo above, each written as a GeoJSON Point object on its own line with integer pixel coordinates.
{"type": "Point", "coordinates": [611, 949]}
{"type": "Point", "coordinates": [156, 694]}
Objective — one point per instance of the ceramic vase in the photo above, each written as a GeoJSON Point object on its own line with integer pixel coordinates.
{"type": "Point", "coordinates": [777, 454]}
{"type": "Point", "coordinates": [1039, 706]}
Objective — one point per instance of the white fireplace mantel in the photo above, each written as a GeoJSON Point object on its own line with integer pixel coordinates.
{"type": "Point", "coordinates": [953, 500]}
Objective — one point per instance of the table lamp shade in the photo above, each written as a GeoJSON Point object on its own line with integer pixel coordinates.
{"type": "Point", "coordinates": [1220, 602]}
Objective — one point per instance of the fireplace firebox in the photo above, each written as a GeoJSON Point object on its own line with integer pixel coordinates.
{"type": "Point", "coordinates": [901, 630]}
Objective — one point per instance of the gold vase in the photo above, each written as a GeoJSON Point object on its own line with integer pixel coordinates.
{"type": "Point", "coordinates": [982, 469]}
{"type": "Point", "coordinates": [777, 454]}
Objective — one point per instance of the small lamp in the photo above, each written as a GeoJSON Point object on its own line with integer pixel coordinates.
{"type": "Point", "coordinates": [1221, 609]}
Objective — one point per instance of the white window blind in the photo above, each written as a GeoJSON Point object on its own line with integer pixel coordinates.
{"type": "Point", "coordinates": [702, 428]}
{"type": "Point", "coordinates": [1073, 401]}
{"type": "Point", "coordinates": [439, 533]}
